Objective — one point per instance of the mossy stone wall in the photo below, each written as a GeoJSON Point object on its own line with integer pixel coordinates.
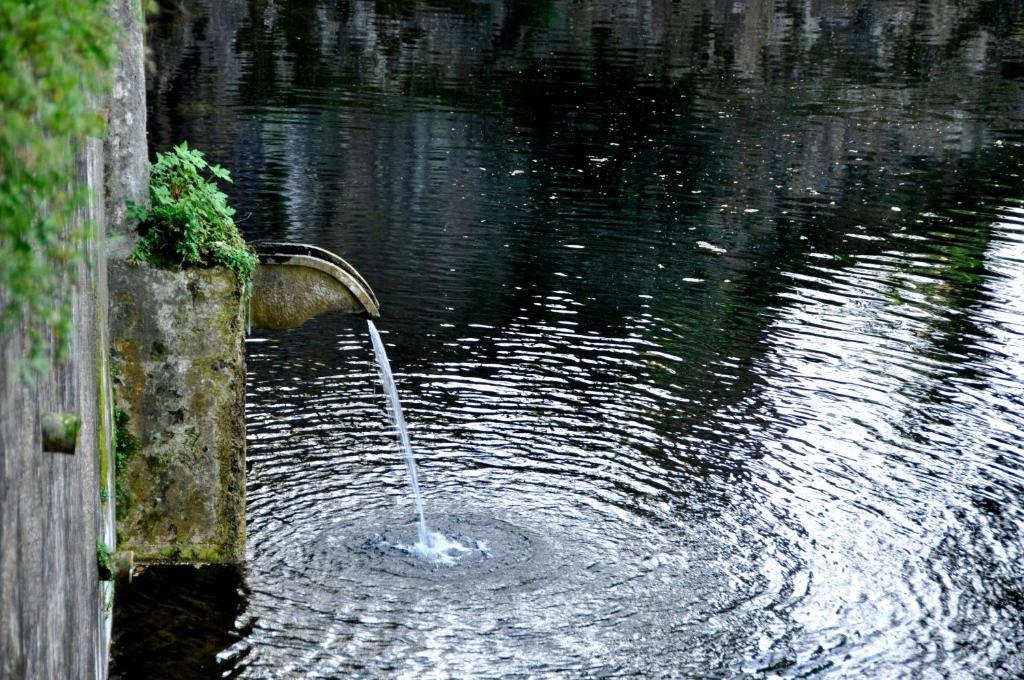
{"type": "Point", "coordinates": [55, 508]}
{"type": "Point", "coordinates": [177, 347]}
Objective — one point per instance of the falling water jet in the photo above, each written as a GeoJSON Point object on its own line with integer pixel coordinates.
{"type": "Point", "coordinates": [431, 545]}
{"type": "Point", "coordinates": [395, 409]}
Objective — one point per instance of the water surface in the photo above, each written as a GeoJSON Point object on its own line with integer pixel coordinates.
{"type": "Point", "coordinates": [706, 317]}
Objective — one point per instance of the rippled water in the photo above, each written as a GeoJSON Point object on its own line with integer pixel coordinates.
{"type": "Point", "coordinates": [707, 317]}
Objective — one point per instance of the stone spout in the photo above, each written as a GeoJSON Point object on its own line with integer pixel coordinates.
{"type": "Point", "coordinates": [295, 282]}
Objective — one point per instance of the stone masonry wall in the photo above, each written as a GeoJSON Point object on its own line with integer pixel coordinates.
{"type": "Point", "coordinates": [54, 507]}
{"type": "Point", "coordinates": [179, 354]}
{"type": "Point", "coordinates": [54, 622]}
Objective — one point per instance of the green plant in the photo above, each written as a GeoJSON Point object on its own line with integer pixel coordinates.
{"type": "Point", "coordinates": [55, 58]}
{"type": "Point", "coordinates": [190, 222]}
{"type": "Point", "coordinates": [103, 563]}
{"type": "Point", "coordinates": [125, 446]}
{"type": "Point", "coordinates": [125, 443]}
{"type": "Point", "coordinates": [108, 602]}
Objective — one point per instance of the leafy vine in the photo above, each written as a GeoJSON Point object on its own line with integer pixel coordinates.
{"type": "Point", "coordinates": [55, 60]}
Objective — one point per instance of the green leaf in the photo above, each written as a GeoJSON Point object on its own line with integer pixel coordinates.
{"type": "Point", "coordinates": [191, 222]}
{"type": "Point", "coordinates": [220, 173]}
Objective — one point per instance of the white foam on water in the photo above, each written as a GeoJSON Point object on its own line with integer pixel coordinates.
{"type": "Point", "coordinates": [438, 549]}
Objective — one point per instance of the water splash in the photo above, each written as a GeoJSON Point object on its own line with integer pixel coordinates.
{"type": "Point", "coordinates": [439, 549]}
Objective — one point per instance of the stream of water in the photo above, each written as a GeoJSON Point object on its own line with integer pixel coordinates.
{"type": "Point", "coordinates": [431, 546]}
{"type": "Point", "coordinates": [709, 321]}
{"type": "Point", "coordinates": [387, 380]}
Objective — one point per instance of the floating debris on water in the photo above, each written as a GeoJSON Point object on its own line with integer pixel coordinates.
{"type": "Point", "coordinates": [710, 246]}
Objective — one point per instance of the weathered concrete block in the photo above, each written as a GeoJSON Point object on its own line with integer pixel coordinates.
{"type": "Point", "coordinates": [177, 345]}
{"type": "Point", "coordinates": [60, 432]}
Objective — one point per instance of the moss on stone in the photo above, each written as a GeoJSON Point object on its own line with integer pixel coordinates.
{"type": "Point", "coordinates": [101, 427]}
{"type": "Point", "coordinates": [125, 448]}
{"type": "Point", "coordinates": [188, 553]}
{"type": "Point", "coordinates": [103, 565]}
{"type": "Point", "coordinates": [60, 432]}
{"type": "Point", "coordinates": [181, 358]}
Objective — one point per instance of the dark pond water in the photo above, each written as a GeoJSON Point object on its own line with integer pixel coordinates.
{"type": "Point", "coordinates": [708, 315]}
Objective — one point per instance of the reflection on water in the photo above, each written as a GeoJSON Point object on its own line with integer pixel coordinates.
{"type": "Point", "coordinates": [707, 315]}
